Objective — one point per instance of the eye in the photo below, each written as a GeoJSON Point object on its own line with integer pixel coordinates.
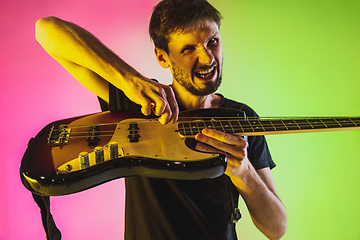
{"type": "Point", "coordinates": [188, 49]}
{"type": "Point", "coordinates": [213, 42]}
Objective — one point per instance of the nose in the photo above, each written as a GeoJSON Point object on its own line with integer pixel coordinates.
{"type": "Point", "coordinates": [205, 56]}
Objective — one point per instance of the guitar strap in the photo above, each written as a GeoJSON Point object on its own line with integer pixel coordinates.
{"type": "Point", "coordinates": [52, 232]}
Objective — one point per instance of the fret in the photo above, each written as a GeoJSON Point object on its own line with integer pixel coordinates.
{"type": "Point", "coordinates": [241, 126]}
{"type": "Point", "coordinates": [231, 127]}
{"type": "Point", "coordinates": [316, 123]}
{"type": "Point", "coordinates": [250, 125]}
{"type": "Point", "coordinates": [284, 124]}
{"type": "Point", "coordinates": [257, 126]}
{"type": "Point", "coordinates": [337, 122]}
{"type": "Point", "coordinates": [346, 123]}
{"type": "Point", "coordinates": [208, 124]}
{"type": "Point", "coordinates": [352, 121]}
{"type": "Point", "coordinates": [278, 125]}
{"type": "Point", "coordinates": [200, 125]}
{"type": "Point", "coordinates": [221, 125]}
{"type": "Point", "coordinates": [323, 122]}
{"type": "Point", "coordinates": [197, 127]}
{"type": "Point", "coordinates": [266, 125]}
{"type": "Point", "coordinates": [304, 124]}
{"type": "Point", "coordinates": [292, 124]}
{"type": "Point", "coordinates": [272, 125]}
{"type": "Point", "coordinates": [297, 125]}
{"type": "Point", "coordinates": [253, 125]}
{"type": "Point", "coordinates": [181, 128]}
{"type": "Point", "coordinates": [191, 129]}
{"type": "Point", "coordinates": [261, 125]}
{"type": "Point", "coordinates": [212, 123]}
{"type": "Point", "coordinates": [188, 128]}
{"type": "Point", "coordinates": [227, 126]}
{"type": "Point", "coordinates": [330, 122]}
{"type": "Point", "coordinates": [215, 125]}
{"type": "Point", "coordinates": [309, 123]}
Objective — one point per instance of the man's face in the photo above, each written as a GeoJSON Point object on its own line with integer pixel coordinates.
{"type": "Point", "coordinates": [196, 58]}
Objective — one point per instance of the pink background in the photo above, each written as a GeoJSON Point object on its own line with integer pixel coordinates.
{"type": "Point", "coordinates": [35, 90]}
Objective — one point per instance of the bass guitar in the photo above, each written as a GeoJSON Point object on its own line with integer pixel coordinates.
{"type": "Point", "coordinates": [76, 154]}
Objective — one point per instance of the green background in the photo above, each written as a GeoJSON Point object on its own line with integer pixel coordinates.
{"type": "Point", "coordinates": [301, 58]}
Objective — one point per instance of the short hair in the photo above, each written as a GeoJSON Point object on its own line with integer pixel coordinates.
{"type": "Point", "coordinates": [171, 16]}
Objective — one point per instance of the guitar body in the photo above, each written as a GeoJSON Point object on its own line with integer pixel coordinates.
{"type": "Point", "coordinates": [143, 147]}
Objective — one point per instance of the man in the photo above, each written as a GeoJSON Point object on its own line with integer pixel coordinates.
{"type": "Point", "coordinates": [187, 40]}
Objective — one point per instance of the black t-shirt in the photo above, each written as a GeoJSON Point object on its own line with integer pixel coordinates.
{"type": "Point", "coordinates": [185, 209]}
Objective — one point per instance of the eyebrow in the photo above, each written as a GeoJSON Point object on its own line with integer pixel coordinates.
{"type": "Point", "coordinates": [194, 45]}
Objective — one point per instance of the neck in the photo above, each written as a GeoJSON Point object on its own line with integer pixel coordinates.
{"type": "Point", "coordinates": [189, 101]}
{"type": "Point", "coordinates": [254, 126]}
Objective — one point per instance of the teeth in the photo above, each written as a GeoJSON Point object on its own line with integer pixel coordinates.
{"type": "Point", "coordinates": [205, 72]}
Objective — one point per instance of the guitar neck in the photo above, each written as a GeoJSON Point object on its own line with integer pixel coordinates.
{"type": "Point", "coordinates": [256, 126]}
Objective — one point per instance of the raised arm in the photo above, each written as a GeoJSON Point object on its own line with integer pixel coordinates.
{"type": "Point", "coordinates": [94, 65]}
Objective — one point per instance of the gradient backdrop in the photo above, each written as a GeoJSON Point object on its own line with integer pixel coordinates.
{"type": "Point", "coordinates": [283, 58]}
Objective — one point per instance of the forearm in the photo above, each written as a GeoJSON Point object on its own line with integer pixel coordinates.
{"type": "Point", "coordinates": [66, 41]}
{"type": "Point", "coordinates": [267, 211]}
{"type": "Point", "coordinates": [257, 188]}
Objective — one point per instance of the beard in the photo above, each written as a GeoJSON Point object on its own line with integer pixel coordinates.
{"type": "Point", "coordinates": [185, 79]}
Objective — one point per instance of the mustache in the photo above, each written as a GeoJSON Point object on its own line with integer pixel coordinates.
{"type": "Point", "coordinates": [206, 67]}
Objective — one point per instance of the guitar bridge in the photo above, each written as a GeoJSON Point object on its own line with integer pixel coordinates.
{"type": "Point", "coordinates": [59, 136]}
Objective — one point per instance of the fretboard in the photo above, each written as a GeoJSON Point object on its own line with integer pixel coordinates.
{"type": "Point", "coordinates": [257, 126]}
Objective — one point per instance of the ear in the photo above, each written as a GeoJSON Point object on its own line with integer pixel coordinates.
{"type": "Point", "coordinates": [162, 57]}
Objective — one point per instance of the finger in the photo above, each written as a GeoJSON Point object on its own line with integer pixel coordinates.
{"type": "Point", "coordinates": [170, 112]}
{"type": "Point", "coordinates": [160, 103]}
{"type": "Point", "coordinates": [165, 118]}
{"type": "Point", "coordinates": [232, 162]}
{"type": "Point", "coordinates": [145, 106]}
{"type": "Point", "coordinates": [152, 102]}
{"type": "Point", "coordinates": [224, 137]}
{"type": "Point", "coordinates": [141, 99]}
{"type": "Point", "coordinates": [206, 148]}
{"type": "Point", "coordinates": [237, 149]}
{"type": "Point", "coordinates": [162, 109]}
{"type": "Point", "coordinates": [230, 169]}
{"type": "Point", "coordinates": [174, 108]}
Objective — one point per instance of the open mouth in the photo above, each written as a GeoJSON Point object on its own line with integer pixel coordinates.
{"type": "Point", "coordinates": [205, 74]}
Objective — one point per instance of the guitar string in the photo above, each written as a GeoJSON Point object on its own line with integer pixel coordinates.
{"type": "Point", "coordinates": [230, 122]}
{"type": "Point", "coordinates": [249, 120]}
{"type": "Point", "coordinates": [259, 127]}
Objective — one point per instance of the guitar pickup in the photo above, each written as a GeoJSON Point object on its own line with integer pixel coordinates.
{"type": "Point", "coordinates": [133, 132]}
{"type": "Point", "coordinates": [59, 136]}
{"type": "Point", "coordinates": [93, 136]}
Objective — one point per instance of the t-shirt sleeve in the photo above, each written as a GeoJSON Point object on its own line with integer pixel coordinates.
{"type": "Point", "coordinates": [118, 101]}
{"type": "Point", "coordinates": [258, 151]}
